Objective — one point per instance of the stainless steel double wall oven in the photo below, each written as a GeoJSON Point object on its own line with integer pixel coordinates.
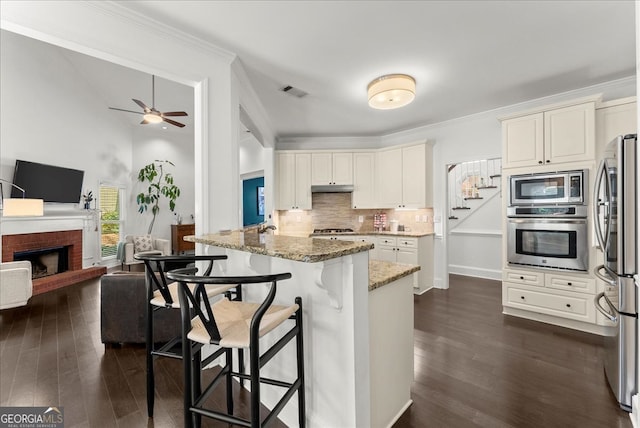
{"type": "Point", "coordinates": [547, 220]}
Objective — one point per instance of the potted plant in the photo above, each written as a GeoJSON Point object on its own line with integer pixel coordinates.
{"type": "Point", "coordinates": [160, 183]}
{"type": "Point", "coordinates": [87, 198]}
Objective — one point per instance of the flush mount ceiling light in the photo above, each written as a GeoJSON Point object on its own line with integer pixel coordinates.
{"type": "Point", "coordinates": [391, 91]}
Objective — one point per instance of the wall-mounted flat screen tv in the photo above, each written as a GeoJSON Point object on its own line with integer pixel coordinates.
{"type": "Point", "coordinates": [47, 182]}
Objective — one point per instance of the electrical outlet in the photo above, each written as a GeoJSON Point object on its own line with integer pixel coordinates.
{"type": "Point", "coordinates": [298, 219]}
{"type": "Point", "coordinates": [417, 218]}
{"type": "Point", "coordinates": [360, 218]}
{"type": "Point", "coordinates": [425, 218]}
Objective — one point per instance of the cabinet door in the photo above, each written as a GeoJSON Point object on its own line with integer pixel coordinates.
{"type": "Point", "coordinates": [303, 181]}
{"type": "Point", "coordinates": [386, 249]}
{"type": "Point", "coordinates": [321, 169]}
{"type": "Point", "coordinates": [523, 141]}
{"type": "Point", "coordinates": [364, 180]}
{"type": "Point", "coordinates": [569, 134]}
{"type": "Point", "coordinates": [286, 173]}
{"type": "Point", "coordinates": [342, 168]}
{"type": "Point", "coordinates": [409, 256]}
{"type": "Point", "coordinates": [389, 184]}
{"type": "Point", "coordinates": [613, 121]}
{"type": "Point", "coordinates": [414, 176]}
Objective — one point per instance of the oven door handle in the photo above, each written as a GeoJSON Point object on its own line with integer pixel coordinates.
{"type": "Point", "coordinates": [608, 279]}
{"type": "Point", "coordinates": [609, 315]}
{"type": "Point", "coordinates": [547, 220]}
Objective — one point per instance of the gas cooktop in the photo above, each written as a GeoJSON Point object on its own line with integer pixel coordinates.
{"type": "Point", "coordinates": [332, 230]}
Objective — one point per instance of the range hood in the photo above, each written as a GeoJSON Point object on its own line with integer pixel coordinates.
{"type": "Point", "coordinates": [332, 188]}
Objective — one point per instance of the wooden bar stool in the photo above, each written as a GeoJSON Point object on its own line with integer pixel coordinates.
{"type": "Point", "coordinates": [233, 324]}
{"type": "Point", "coordinates": [163, 295]}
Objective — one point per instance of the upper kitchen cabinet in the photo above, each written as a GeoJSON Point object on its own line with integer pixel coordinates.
{"type": "Point", "coordinates": [554, 136]}
{"type": "Point", "coordinates": [613, 118]}
{"type": "Point", "coordinates": [404, 177]}
{"type": "Point", "coordinates": [364, 178]}
{"type": "Point", "coordinates": [331, 168]}
{"type": "Point", "coordinates": [294, 181]}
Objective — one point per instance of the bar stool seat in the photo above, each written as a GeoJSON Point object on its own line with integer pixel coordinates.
{"type": "Point", "coordinates": [158, 299]}
{"type": "Point", "coordinates": [233, 320]}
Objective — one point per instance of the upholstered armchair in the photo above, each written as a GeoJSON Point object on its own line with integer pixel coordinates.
{"type": "Point", "coordinates": [143, 244]}
{"type": "Point", "coordinates": [16, 287]}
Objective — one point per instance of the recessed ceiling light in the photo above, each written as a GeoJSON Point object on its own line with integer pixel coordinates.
{"type": "Point", "coordinates": [164, 127]}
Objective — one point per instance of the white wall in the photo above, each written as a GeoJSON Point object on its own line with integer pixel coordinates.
{"type": "Point", "coordinates": [174, 146]}
{"type": "Point", "coordinates": [51, 115]}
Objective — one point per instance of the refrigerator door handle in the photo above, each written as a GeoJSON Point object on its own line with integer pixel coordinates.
{"type": "Point", "coordinates": [603, 311]}
{"type": "Point", "coordinates": [608, 279]}
{"type": "Point", "coordinates": [601, 175]}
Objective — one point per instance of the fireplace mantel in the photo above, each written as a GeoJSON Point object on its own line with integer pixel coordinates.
{"type": "Point", "coordinates": [47, 223]}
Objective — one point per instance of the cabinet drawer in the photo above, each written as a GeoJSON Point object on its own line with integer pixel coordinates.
{"type": "Point", "coordinates": [571, 283]}
{"type": "Point", "coordinates": [407, 242]}
{"type": "Point", "coordinates": [524, 277]}
{"type": "Point", "coordinates": [575, 307]}
{"type": "Point", "coordinates": [387, 242]}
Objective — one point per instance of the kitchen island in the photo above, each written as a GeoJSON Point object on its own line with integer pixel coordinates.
{"type": "Point", "coordinates": [343, 382]}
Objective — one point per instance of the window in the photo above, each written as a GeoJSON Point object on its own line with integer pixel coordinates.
{"type": "Point", "coordinates": [111, 219]}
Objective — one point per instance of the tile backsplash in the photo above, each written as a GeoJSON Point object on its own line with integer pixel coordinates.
{"type": "Point", "coordinates": [334, 210]}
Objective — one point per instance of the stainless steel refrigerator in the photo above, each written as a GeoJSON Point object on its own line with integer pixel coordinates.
{"type": "Point", "coordinates": [615, 220]}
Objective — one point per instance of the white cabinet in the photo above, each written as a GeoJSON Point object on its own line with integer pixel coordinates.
{"type": "Point", "coordinates": [551, 293]}
{"type": "Point", "coordinates": [331, 168]}
{"type": "Point", "coordinates": [555, 136]}
{"type": "Point", "coordinates": [400, 250]}
{"type": "Point", "coordinates": [613, 118]}
{"type": "Point", "coordinates": [294, 181]}
{"type": "Point", "coordinates": [404, 177]}
{"type": "Point", "coordinates": [364, 176]}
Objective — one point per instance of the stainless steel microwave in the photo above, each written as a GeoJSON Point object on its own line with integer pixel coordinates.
{"type": "Point", "coordinates": [563, 187]}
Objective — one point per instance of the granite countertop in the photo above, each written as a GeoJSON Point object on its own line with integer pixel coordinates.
{"type": "Point", "coordinates": [383, 273]}
{"type": "Point", "coordinates": [372, 233]}
{"type": "Point", "coordinates": [299, 249]}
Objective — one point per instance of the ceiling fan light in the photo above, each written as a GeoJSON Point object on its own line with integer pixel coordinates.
{"type": "Point", "coordinates": [391, 91]}
{"type": "Point", "coordinates": [152, 118]}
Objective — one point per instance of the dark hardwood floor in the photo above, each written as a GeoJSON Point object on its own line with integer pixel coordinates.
{"type": "Point", "coordinates": [473, 366]}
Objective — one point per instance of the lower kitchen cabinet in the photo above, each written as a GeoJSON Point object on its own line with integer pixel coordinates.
{"type": "Point", "coordinates": [409, 250]}
{"type": "Point", "coordinates": [565, 296]}
{"type": "Point", "coordinates": [399, 249]}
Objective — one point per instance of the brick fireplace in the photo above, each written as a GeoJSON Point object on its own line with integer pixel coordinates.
{"type": "Point", "coordinates": [71, 240]}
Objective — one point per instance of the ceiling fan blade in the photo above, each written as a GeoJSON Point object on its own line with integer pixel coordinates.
{"type": "Point", "coordinates": [128, 111]}
{"type": "Point", "coordinates": [173, 122]}
{"type": "Point", "coordinates": [141, 104]}
{"type": "Point", "coordinates": [175, 113]}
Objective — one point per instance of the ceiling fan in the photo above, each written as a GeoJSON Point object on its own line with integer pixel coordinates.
{"type": "Point", "coordinates": [150, 114]}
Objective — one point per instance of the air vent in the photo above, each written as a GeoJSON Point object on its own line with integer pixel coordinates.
{"type": "Point", "coordinates": [294, 91]}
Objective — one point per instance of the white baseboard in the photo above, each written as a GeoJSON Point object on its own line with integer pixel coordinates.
{"type": "Point", "coordinates": [402, 410]}
{"type": "Point", "coordinates": [477, 272]}
{"type": "Point", "coordinates": [420, 292]}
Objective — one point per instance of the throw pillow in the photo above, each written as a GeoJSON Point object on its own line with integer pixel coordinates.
{"type": "Point", "coordinates": [142, 243]}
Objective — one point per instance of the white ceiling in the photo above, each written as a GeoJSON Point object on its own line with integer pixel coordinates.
{"type": "Point", "coordinates": [466, 56]}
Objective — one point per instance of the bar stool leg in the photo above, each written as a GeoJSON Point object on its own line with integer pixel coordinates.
{"type": "Point", "coordinates": [300, 358]}
{"type": "Point", "coordinates": [229, 369]}
{"type": "Point", "coordinates": [196, 390]}
{"type": "Point", "coordinates": [254, 367]}
{"type": "Point", "coordinates": [149, 349]}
